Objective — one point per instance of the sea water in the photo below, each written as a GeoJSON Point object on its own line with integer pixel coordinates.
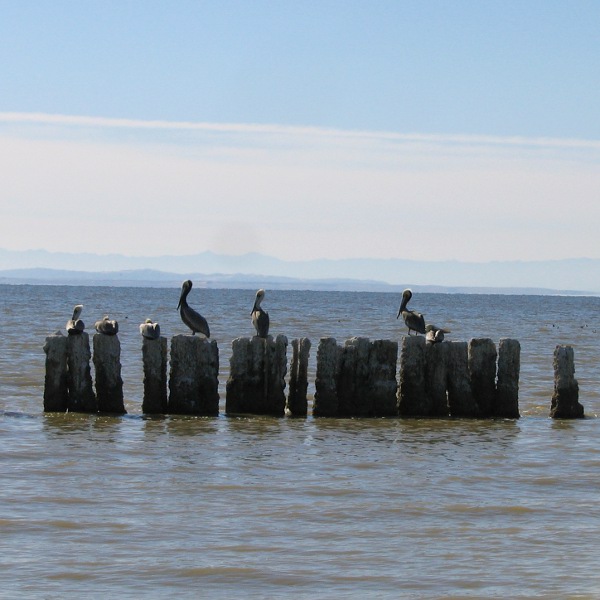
{"type": "Point", "coordinates": [263, 507]}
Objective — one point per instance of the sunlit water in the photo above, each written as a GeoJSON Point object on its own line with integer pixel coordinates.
{"type": "Point", "coordinates": [306, 508]}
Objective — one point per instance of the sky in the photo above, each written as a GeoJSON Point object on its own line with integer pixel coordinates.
{"type": "Point", "coordinates": [423, 130]}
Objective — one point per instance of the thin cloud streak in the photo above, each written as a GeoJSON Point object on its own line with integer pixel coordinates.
{"type": "Point", "coordinates": [249, 128]}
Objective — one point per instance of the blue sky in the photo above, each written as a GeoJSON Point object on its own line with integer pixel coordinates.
{"type": "Point", "coordinates": [424, 130]}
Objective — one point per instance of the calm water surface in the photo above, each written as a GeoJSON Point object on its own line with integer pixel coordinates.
{"type": "Point", "coordinates": [304, 508]}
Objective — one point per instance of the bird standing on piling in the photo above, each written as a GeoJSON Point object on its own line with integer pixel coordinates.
{"type": "Point", "coordinates": [194, 320]}
{"type": "Point", "coordinates": [260, 318]}
{"type": "Point", "coordinates": [413, 320]}
{"type": "Point", "coordinates": [107, 326]}
{"type": "Point", "coordinates": [435, 334]}
{"type": "Point", "coordinates": [75, 325]}
{"type": "Point", "coordinates": [150, 330]}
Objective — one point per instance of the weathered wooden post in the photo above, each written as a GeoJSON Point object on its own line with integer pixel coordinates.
{"type": "Point", "coordinates": [81, 392]}
{"type": "Point", "coordinates": [297, 402]}
{"type": "Point", "coordinates": [482, 371]}
{"type": "Point", "coordinates": [436, 375]}
{"type": "Point", "coordinates": [154, 356]}
{"type": "Point", "coordinates": [56, 392]}
{"type": "Point", "coordinates": [413, 400]}
{"type": "Point", "coordinates": [383, 386]}
{"type": "Point", "coordinates": [193, 381]}
{"type": "Point", "coordinates": [107, 364]}
{"type": "Point", "coordinates": [565, 399]}
{"type": "Point", "coordinates": [460, 396]}
{"type": "Point", "coordinates": [328, 365]}
{"type": "Point", "coordinates": [507, 385]}
{"type": "Point", "coordinates": [353, 381]}
{"type": "Point", "coordinates": [256, 383]}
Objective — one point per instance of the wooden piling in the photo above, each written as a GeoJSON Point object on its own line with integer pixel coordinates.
{"type": "Point", "coordinates": [436, 376]}
{"type": "Point", "coordinates": [81, 392]}
{"type": "Point", "coordinates": [328, 365]}
{"type": "Point", "coordinates": [56, 391]}
{"type": "Point", "coordinates": [154, 356]}
{"type": "Point", "coordinates": [507, 385]}
{"type": "Point", "coordinates": [297, 401]}
{"type": "Point", "coordinates": [460, 397]}
{"type": "Point", "coordinates": [256, 383]}
{"type": "Point", "coordinates": [565, 399]}
{"type": "Point", "coordinates": [413, 400]}
{"type": "Point", "coordinates": [482, 356]}
{"type": "Point", "coordinates": [107, 365]}
{"type": "Point", "coordinates": [193, 380]}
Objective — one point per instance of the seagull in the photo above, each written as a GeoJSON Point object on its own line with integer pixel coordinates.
{"type": "Point", "coordinates": [434, 334]}
{"type": "Point", "coordinates": [260, 318]}
{"type": "Point", "coordinates": [75, 325]}
{"type": "Point", "coordinates": [107, 326]}
{"type": "Point", "coordinates": [413, 320]}
{"type": "Point", "coordinates": [150, 330]}
{"type": "Point", "coordinates": [195, 321]}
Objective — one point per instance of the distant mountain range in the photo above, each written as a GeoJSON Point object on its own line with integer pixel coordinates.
{"type": "Point", "coordinates": [570, 276]}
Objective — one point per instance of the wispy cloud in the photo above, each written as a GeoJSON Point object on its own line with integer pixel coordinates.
{"type": "Point", "coordinates": [76, 183]}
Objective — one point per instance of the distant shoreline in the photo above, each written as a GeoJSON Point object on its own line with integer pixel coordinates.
{"type": "Point", "coordinates": [159, 279]}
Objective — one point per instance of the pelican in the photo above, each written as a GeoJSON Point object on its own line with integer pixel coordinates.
{"type": "Point", "coordinates": [150, 330]}
{"type": "Point", "coordinates": [75, 325]}
{"type": "Point", "coordinates": [194, 320]}
{"type": "Point", "coordinates": [107, 326]}
{"type": "Point", "coordinates": [413, 320]}
{"type": "Point", "coordinates": [434, 334]}
{"type": "Point", "coordinates": [260, 318]}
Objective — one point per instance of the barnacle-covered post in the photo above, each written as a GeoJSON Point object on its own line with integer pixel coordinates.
{"type": "Point", "coordinates": [297, 401]}
{"type": "Point", "coordinates": [107, 364]}
{"type": "Point", "coordinates": [193, 380]}
{"type": "Point", "coordinates": [565, 399]}
{"type": "Point", "coordinates": [507, 384]}
{"type": "Point", "coordinates": [56, 392]}
{"type": "Point", "coordinates": [154, 357]}
{"type": "Point", "coordinates": [256, 383]}
{"type": "Point", "coordinates": [81, 392]}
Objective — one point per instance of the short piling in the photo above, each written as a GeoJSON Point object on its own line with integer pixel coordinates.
{"type": "Point", "coordinates": [482, 357]}
{"type": "Point", "coordinates": [193, 380]}
{"type": "Point", "coordinates": [328, 366]}
{"type": "Point", "coordinates": [460, 396]}
{"type": "Point", "coordinates": [565, 399]}
{"type": "Point", "coordinates": [297, 400]}
{"type": "Point", "coordinates": [436, 375]}
{"type": "Point", "coordinates": [256, 383]}
{"type": "Point", "coordinates": [413, 399]}
{"type": "Point", "coordinates": [56, 391]}
{"type": "Point", "coordinates": [107, 365]}
{"type": "Point", "coordinates": [81, 392]}
{"type": "Point", "coordinates": [507, 385]}
{"type": "Point", "coordinates": [154, 357]}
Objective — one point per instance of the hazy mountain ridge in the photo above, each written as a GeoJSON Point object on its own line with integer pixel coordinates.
{"type": "Point", "coordinates": [569, 276]}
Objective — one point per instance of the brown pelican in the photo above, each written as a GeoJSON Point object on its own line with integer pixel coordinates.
{"type": "Point", "coordinates": [150, 330]}
{"type": "Point", "coordinates": [260, 318]}
{"type": "Point", "coordinates": [434, 334]}
{"type": "Point", "coordinates": [75, 325]}
{"type": "Point", "coordinates": [194, 320]}
{"type": "Point", "coordinates": [413, 320]}
{"type": "Point", "coordinates": [107, 326]}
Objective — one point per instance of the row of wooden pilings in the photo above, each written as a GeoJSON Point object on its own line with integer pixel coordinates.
{"type": "Point", "coordinates": [359, 379]}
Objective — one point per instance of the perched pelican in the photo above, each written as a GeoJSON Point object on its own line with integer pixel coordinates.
{"type": "Point", "coordinates": [75, 325]}
{"type": "Point", "coordinates": [434, 334]}
{"type": "Point", "coordinates": [194, 320]}
{"type": "Point", "coordinates": [413, 320]}
{"type": "Point", "coordinates": [107, 326]}
{"type": "Point", "coordinates": [150, 330]}
{"type": "Point", "coordinates": [260, 318]}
